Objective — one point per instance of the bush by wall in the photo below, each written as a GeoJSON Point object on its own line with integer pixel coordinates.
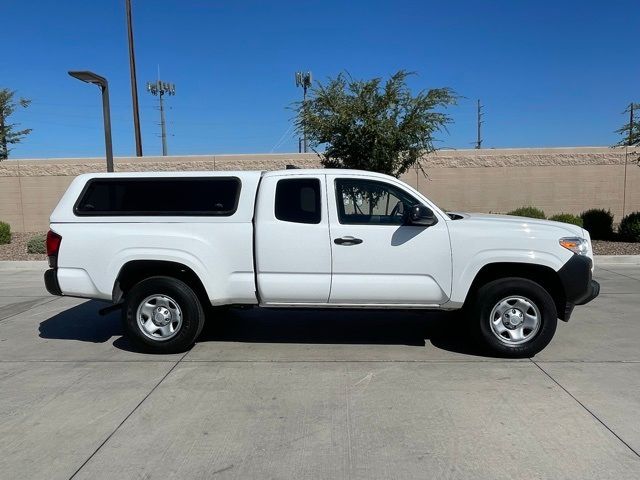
{"type": "Point", "coordinates": [5, 233]}
{"type": "Point", "coordinates": [531, 212]}
{"type": "Point", "coordinates": [599, 223]}
{"type": "Point", "coordinates": [629, 229]}
{"type": "Point", "coordinates": [37, 244]}
{"type": "Point", "coordinates": [567, 218]}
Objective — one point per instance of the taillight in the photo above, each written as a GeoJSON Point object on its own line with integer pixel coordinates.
{"type": "Point", "coordinates": [53, 246]}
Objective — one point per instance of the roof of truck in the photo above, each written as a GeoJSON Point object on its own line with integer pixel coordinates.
{"type": "Point", "coordinates": [205, 173]}
{"type": "Point", "coordinates": [328, 171]}
{"type": "Point", "coordinates": [235, 173]}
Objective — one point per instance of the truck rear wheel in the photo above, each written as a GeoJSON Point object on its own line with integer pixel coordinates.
{"type": "Point", "coordinates": [163, 314]}
{"type": "Point", "coordinates": [516, 317]}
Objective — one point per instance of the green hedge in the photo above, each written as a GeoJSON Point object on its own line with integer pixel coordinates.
{"type": "Point", "coordinates": [629, 229]}
{"type": "Point", "coordinates": [5, 233]}
{"type": "Point", "coordinates": [567, 218]}
{"type": "Point", "coordinates": [531, 212]}
{"type": "Point", "coordinates": [37, 244]}
{"type": "Point", "coordinates": [599, 223]}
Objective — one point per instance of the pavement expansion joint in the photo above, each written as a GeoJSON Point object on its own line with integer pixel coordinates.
{"type": "Point", "coordinates": [128, 416]}
{"type": "Point", "coordinates": [598, 419]}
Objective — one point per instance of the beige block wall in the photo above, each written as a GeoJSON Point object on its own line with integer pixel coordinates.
{"type": "Point", "coordinates": [556, 180]}
{"type": "Point", "coordinates": [10, 203]}
{"type": "Point", "coordinates": [570, 189]}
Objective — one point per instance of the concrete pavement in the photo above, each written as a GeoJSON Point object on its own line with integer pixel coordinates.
{"type": "Point", "coordinates": [310, 394]}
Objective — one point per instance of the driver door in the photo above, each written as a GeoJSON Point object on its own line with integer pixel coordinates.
{"type": "Point", "coordinates": [376, 258]}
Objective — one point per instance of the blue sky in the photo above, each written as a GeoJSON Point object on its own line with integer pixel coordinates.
{"type": "Point", "coordinates": [550, 73]}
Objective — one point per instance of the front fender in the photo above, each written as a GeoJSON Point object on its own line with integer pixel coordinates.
{"type": "Point", "coordinates": [465, 271]}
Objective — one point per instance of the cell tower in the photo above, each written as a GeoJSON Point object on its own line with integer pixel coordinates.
{"type": "Point", "coordinates": [160, 89]}
{"type": "Point", "coordinates": [303, 79]}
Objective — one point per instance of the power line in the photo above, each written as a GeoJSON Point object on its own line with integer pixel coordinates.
{"type": "Point", "coordinates": [282, 138]}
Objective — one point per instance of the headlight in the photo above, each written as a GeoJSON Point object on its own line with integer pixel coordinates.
{"type": "Point", "coordinates": [577, 245]}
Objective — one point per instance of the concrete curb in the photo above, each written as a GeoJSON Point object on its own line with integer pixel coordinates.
{"type": "Point", "coordinates": [617, 259]}
{"type": "Point", "coordinates": [8, 265]}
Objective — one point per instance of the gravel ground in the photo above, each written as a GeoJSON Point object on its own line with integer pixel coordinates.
{"type": "Point", "coordinates": [17, 249]}
{"type": "Point", "coordinates": [603, 247]}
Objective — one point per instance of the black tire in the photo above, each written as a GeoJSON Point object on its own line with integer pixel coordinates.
{"type": "Point", "coordinates": [182, 296]}
{"type": "Point", "coordinates": [535, 339]}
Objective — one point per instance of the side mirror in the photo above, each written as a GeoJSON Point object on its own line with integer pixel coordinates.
{"type": "Point", "coordinates": [421, 216]}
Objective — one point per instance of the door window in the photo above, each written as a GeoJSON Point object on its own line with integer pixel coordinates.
{"type": "Point", "coordinates": [298, 200]}
{"type": "Point", "coordinates": [363, 202]}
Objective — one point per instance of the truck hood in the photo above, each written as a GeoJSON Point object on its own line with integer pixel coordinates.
{"type": "Point", "coordinates": [510, 220]}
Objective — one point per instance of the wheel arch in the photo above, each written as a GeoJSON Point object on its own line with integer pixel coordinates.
{"type": "Point", "coordinates": [134, 271]}
{"type": "Point", "coordinates": [543, 275]}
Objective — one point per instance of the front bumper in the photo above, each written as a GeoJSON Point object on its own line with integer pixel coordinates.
{"type": "Point", "coordinates": [593, 292]}
{"type": "Point", "coordinates": [579, 286]}
{"type": "Point", "coordinates": [51, 282]}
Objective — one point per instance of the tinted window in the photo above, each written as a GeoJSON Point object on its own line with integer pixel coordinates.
{"type": "Point", "coordinates": [298, 200]}
{"type": "Point", "coordinates": [370, 202]}
{"type": "Point", "coordinates": [160, 196]}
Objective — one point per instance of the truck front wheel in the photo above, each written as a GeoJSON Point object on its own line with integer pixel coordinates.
{"type": "Point", "coordinates": [163, 315]}
{"type": "Point", "coordinates": [516, 317]}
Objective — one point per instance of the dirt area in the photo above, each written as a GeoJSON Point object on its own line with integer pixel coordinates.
{"type": "Point", "coordinates": [17, 249]}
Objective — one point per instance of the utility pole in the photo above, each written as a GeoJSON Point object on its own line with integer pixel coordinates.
{"type": "Point", "coordinates": [631, 119]}
{"type": "Point", "coordinates": [134, 82]}
{"type": "Point", "coordinates": [303, 79]}
{"type": "Point", "coordinates": [161, 88]}
{"type": "Point", "coordinates": [480, 122]}
{"type": "Point", "coordinates": [4, 153]}
{"type": "Point", "coordinates": [626, 156]}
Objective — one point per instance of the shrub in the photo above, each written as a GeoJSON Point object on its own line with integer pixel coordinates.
{"type": "Point", "coordinates": [630, 227]}
{"type": "Point", "coordinates": [567, 218]}
{"type": "Point", "coordinates": [5, 233]}
{"type": "Point", "coordinates": [599, 223]}
{"type": "Point", "coordinates": [37, 244]}
{"type": "Point", "coordinates": [531, 212]}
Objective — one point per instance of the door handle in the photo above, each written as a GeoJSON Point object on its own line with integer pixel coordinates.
{"type": "Point", "coordinates": [347, 241]}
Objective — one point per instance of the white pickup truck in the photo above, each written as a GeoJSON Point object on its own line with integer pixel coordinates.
{"type": "Point", "coordinates": [165, 247]}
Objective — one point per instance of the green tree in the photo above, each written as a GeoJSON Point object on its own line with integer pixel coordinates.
{"type": "Point", "coordinates": [630, 131]}
{"type": "Point", "coordinates": [9, 135]}
{"type": "Point", "coordinates": [371, 125]}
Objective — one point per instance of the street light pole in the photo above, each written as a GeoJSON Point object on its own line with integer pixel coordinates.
{"type": "Point", "coordinates": [106, 118]}
{"type": "Point", "coordinates": [134, 82]}
{"type": "Point", "coordinates": [90, 77]}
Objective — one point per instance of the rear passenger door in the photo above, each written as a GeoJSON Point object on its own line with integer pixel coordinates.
{"type": "Point", "coordinates": [292, 248]}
